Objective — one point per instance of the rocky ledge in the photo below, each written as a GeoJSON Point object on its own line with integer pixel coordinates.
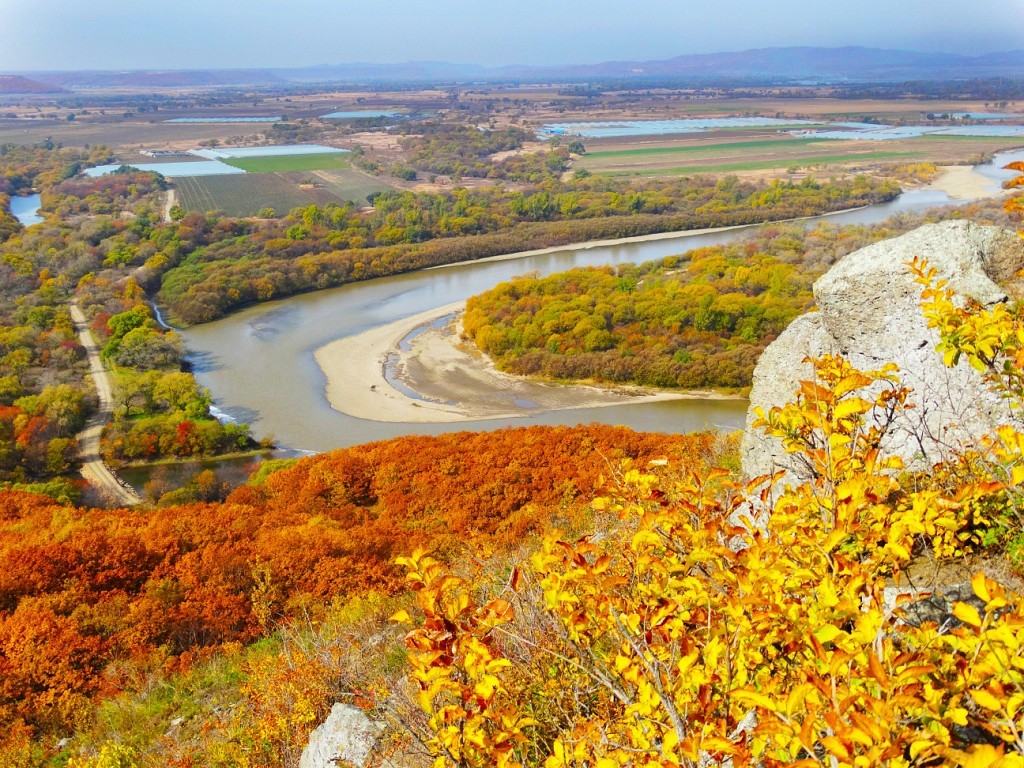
{"type": "Point", "coordinates": [869, 310]}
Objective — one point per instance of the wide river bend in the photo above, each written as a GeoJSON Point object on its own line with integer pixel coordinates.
{"type": "Point", "coordinates": [258, 363]}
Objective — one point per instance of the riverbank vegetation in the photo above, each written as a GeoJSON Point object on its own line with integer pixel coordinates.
{"type": "Point", "coordinates": [220, 634]}
{"type": "Point", "coordinates": [458, 150]}
{"type": "Point", "coordinates": [105, 244]}
{"type": "Point", "coordinates": [225, 264]}
{"type": "Point", "coordinates": [24, 169]}
{"type": "Point", "coordinates": [695, 321]}
{"type": "Point", "coordinates": [84, 251]}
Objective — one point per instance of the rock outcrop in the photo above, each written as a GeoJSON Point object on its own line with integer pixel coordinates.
{"type": "Point", "coordinates": [346, 737]}
{"type": "Point", "coordinates": [869, 311]}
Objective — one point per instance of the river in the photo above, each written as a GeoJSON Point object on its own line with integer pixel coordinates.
{"type": "Point", "coordinates": [258, 363]}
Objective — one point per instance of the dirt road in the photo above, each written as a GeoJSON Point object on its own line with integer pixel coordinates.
{"type": "Point", "coordinates": [96, 473]}
{"type": "Point", "coordinates": [169, 202]}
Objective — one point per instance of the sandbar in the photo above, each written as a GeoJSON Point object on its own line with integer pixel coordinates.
{"type": "Point", "coordinates": [418, 370]}
{"type": "Point", "coordinates": [961, 182]}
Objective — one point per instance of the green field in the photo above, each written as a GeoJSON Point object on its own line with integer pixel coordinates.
{"type": "Point", "coordinates": [249, 194]}
{"type": "Point", "coordinates": [705, 148]}
{"type": "Point", "coordinates": [290, 163]}
{"type": "Point", "coordinates": [765, 164]}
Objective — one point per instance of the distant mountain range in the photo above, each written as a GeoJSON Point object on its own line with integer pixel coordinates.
{"type": "Point", "coordinates": [20, 85]}
{"type": "Point", "coordinates": [783, 65]}
{"type": "Point", "coordinates": [180, 78]}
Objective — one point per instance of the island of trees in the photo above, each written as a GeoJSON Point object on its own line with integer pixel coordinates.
{"type": "Point", "coordinates": [699, 320]}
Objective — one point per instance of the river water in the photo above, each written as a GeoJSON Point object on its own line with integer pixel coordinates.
{"type": "Point", "coordinates": [259, 364]}
{"type": "Point", "coordinates": [26, 209]}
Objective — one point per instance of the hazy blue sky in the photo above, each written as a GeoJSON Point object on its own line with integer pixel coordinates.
{"type": "Point", "coordinates": [134, 34]}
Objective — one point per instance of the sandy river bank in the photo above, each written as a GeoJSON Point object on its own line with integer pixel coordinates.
{"type": "Point", "coordinates": [417, 370]}
{"type": "Point", "coordinates": [962, 182]}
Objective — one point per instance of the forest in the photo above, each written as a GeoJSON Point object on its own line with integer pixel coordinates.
{"type": "Point", "coordinates": [548, 586]}
{"type": "Point", "coordinates": [514, 598]}
{"type": "Point", "coordinates": [94, 600]}
{"type": "Point", "coordinates": [105, 245]}
{"type": "Point", "coordinates": [699, 320]}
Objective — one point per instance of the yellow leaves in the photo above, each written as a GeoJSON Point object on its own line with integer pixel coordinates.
{"type": "Point", "coordinates": [919, 748]}
{"type": "Point", "coordinates": [876, 669]}
{"type": "Point", "coordinates": [401, 617]}
{"type": "Point", "coordinates": [986, 756]}
{"type": "Point", "coordinates": [684, 650]}
{"type": "Point", "coordinates": [487, 686]}
{"type": "Point", "coordinates": [968, 614]}
{"type": "Point", "coordinates": [111, 755]}
{"type": "Point", "coordinates": [854, 406]}
{"type": "Point", "coordinates": [851, 382]}
{"type": "Point", "coordinates": [754, 698]}
{"type": "Point", "coordinates": [986, 700]}
{"type": "Point", "coordinates": [898, 551]}
{"type": "Point", "coordinates": [827, 633]}
{"type": "Point", "coordinates": [913, 673]}
{"type": "Point", "coordinates": [979, 584]}
{"type": "Point", "coordinates": [1017, 475]}
{"type": "Point", "coordinates": [957, 715]}
{"type": "Point", "coordinates": [495, 613]}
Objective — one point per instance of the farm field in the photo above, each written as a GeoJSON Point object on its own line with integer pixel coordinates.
{"type": "Point", "coordinates": [352, 184]}
{"type": "Point", "coordinates": [761, 165]}
{"type": "Point", "coordinates": [289, 163]}
{"type": "Point", "coordinates": [125, 135]}
{"type": "Point", "coordinates": [709, 154]}
{"type": "Point", "coordinates": [668, 105]}
{"type": "Point", "coordinates": [711, 150]}
{"type": "Point", "coordinates": [247, 195]}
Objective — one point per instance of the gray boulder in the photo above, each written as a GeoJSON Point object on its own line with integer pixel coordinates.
{"type": "Point", "coordinates": [869, 311]}
{"type": "Point", "coordinates": [347, 736]}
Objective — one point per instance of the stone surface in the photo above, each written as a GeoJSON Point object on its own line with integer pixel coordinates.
{"type": "Point", "coordinates": [347, 736]}
{"type": "Point", "coordinates": [869, 311]}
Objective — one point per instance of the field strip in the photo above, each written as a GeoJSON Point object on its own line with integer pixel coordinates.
{"type": "Point", "coordinates": [765, 143]}
{"type": "Point", "coordinates": [290, 163]}
{"type": "Point", "coordinates": [783, 162]}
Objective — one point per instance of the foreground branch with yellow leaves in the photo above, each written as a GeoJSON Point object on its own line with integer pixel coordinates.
{"type": "Point", "coordinates": [718, 624]}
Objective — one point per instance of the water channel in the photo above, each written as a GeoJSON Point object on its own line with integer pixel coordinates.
{"type": "Point", "coordinates": [26, 209]}
{"type": "Point", "coordinates": [259, 365]}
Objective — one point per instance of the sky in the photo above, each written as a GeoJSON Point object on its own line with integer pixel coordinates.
{"type": "Point", "coordinates": [203, 34]}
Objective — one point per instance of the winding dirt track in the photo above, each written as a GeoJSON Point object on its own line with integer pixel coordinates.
{"type": "Point", "coordinates": [96, 473]}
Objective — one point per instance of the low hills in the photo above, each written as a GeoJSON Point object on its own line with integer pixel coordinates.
{"type": "Point", "coordinates": [777, 65]}
{"type": "Point", "coordinates": [15, 84]}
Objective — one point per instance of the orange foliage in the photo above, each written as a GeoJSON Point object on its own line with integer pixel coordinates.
{"type": "Point", "coordinates": [80, 588]}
